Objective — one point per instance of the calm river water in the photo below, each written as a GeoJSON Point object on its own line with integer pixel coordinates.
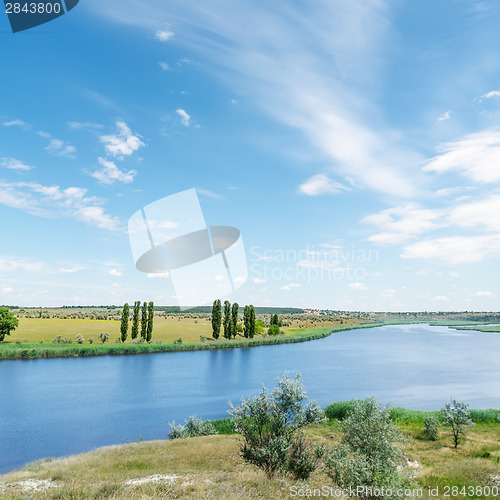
{"type": "Point", "coordinates": [58, 407]}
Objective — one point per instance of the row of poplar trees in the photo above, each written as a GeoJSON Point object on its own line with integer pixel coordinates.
{"type": "Point", "coordinates": [144, 317]}
{"type": "Point", "coordinates": [230, 320]}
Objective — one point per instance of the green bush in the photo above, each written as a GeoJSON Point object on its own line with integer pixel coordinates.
{"type": "Point", "coordinates": [224, 426]}
{"type": "Point", "coordinates": [103, 337]}
{"type": "Point", "coordinates": [484, 416]}
{"type": "Point", "coordinates": [178, 341]}
{"type": "Point", "coordinates": [270, 423]}
{"type": "Point", "coordinates": [431, 428]}
{"type": "Point", "coordinates": [339, 410]}
{"type": "Point", "coordinates": [197, 427]}
{"type": "Point", "coordinates": [79, 338]}
{"type": "Point", "coordinates": [273, 330]}
{"type": "Point", "coordinates": [192, 427]}
{"type": "Point", "coordinates": [175, 430]}
{"type": "Point", "coordinates": [368, 456]}
{"type": "Point", "coordinates": [303, 458]}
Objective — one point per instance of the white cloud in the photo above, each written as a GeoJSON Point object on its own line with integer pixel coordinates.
{"type": "Point", "coordinates": [164, 35]}
{"type": "Point", "coordinates": [357, 286]}
{"type": "Point", "coordinates": [14, 123]}
{"type": "Point", "coordinates": [209, 194]}
{"type": "Point", "coordinates": [123, 143]}
{"type": "Point", "coordinates": [52, 201]}
{"type": "Point", "coordinates": [483, 294]}
{"type": "Point", "coordinates": [159, 276]}
{"type": "Point", "coordinates": [321, 184]}
{"type": "Point", "coordinates": [290, 286]}
{"type": "Point", "coordinates": [400, 224]}
{"type": "Point", "coordinates": [16, 264]}
{"type": "Point", "coordinates": [7, 289]}
{"type": "Point", "coordinates": [59, 148]}
{"type": "Point", "coordinates": [259, 281]}
{"type": "Point", "coordinates": [85, 126]}
{"type": "Point", "coordinates": [164, 66]}
{"type": "Point", "coordinates": [441, 298]}
{"type": "Point", "coordinates": [489, 95]}
{"type": "Point", "coordinates": [68, 270]}
{"type": "Point", "coordinates": [115, 272]}
{"type": "Point", "coordinates": [185, 118]}
{"type": "Point", "coordinates": [324, 84]}
{"type": "Point", "coordinates": [110, 173]}
{"type": "Point", "coordinates": [445, 116]}
{"type": "Point", "coordinates": [455, 249]}
{"type": "Point", "coordinates": [475, 156]}
{"type": "Point", "coordinates": [14, 164]}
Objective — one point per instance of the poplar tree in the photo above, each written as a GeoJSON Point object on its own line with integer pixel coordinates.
{"type": "Point", "coordinates": [227, 320]}
{"type": "Point", "coordinates": [135, 320]}
{"type": "Point", "coordinates": [234, 318]}
{"type": "Point", "coordinates": [216, 318]}
{"type": "Point", "coordinates": [151, 315]}
{"type": "Point", "coordinates": [246, 321]}
{"type": "Point", "coordinates": [251, 321]}
{"type": "Point", "coordinates": [144, 320]}
{"type": "Point", "coordinates": [124, 324]}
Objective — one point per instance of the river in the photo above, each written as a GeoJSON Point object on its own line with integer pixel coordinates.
{"type": "Point", "coordinates": [59, 407]}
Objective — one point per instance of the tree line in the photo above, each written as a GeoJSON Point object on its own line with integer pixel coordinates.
{"type": "Point", "coordinates": [226, 319]}
{"type": "Point", "coordinates": [142, 320]}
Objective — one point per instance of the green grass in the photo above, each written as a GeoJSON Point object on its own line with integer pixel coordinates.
{"type": "Point", "coordinates": [211, 467]}
{"type": "Point", "coordinates": [165, 332]}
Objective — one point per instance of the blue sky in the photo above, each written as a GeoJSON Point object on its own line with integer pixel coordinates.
{"type": "Point", "coordinates": [356, 145]}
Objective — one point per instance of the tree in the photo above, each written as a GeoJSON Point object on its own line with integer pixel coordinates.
{"type": "Point", "coordinates": [274, 319]}
{"type": "Point", "coordinates": [135, 319]}
{"type": "Point", "coordinates": [216, 319]}
{"type": "Point", "coordinates": [246, 321]}
{"type": "Point", "coordinates": [270, 425]}
{"type": "Point", "coordinates": [367, 458]}
{"type": "Point", "coordinates": [227, 320]}
{"type": "Point", "coordinates": [234, 319]}
{"type": "Point", "coordinates": [144, 320]}
{"type": "Point", "coordinates": [151, 315]}
{"type": "Point", "coordinates": [8, 322]}
{"type": "Point", "coordinates": [124, 324]}
{"type": "Point", "coordinates": [273, 330]}
{"type": "Point", "coordinates": [251, 321]}
{"type": "Point", "coordinates": [456, 415]}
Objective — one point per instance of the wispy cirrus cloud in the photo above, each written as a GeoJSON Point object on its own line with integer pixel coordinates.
{"type": "Point", "coordinates": [405, 225]}
{"type": "Point", "coordinates": [13, 164]}
{"type": "Point", "coordinates": [489, 95]}
{"type": "Point", "coordinates": [475, 156]}
{"type": "Point", "coordinates": [322, 84]}
{"type": "Point", "coordinates": [60, 148]}
{"type": "Point", "coordinates": [54, 202]}
{"type": "Point", "coordinates": [321, 184]}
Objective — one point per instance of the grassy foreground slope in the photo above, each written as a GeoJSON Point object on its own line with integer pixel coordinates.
{"type": "Point", "coordinates": [211, 467]}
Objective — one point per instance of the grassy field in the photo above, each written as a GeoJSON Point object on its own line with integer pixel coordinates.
{"type": "Point", "coordinates": [211, 468]}
{"type": "Point", "coordinates": [34, 337]}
